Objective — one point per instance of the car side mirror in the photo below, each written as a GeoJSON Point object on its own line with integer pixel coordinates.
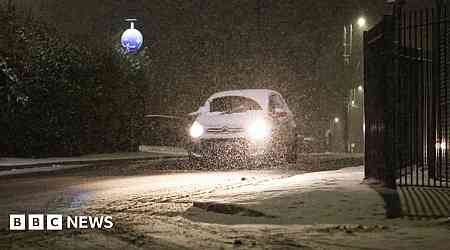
{"type": "Point", "coordinates": [200, 110]}
{"type": "Point", "coordinates": [203, 109]}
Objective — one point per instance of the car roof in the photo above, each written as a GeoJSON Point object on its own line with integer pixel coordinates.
{"type": "Point", "coordinates": [260, 95]}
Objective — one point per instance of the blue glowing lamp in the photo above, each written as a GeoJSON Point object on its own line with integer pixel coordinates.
{"type": "Point", "coordinates": [131, 39]}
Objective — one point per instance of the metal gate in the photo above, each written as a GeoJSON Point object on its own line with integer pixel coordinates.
{"type": "Point", "coordinates": [407, 96]}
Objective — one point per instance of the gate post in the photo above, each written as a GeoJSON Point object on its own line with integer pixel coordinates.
{"type": "Point", "coordinates": [365, 99]}
{"type": "Point", "coordinates": [380, 79]}
{"type": "Point", "coordinates": [391, 74]}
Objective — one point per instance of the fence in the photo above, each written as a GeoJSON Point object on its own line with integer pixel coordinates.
{"type": "Point", "coordinates": [407, 97]}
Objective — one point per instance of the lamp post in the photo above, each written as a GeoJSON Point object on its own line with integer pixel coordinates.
{"type": "Point", "coordinates": [361, 23]}
{"type": "Point", "coordinates": [332, 134]}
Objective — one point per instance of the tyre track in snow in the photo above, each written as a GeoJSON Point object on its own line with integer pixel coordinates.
{"type": "Point", "coordinates": [141, 210]}
{"type": "Point", "coordinates": [177, 196]}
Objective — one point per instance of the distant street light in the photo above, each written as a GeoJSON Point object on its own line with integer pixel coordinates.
{"type": "Point", "coordinates": [361, 22]}
{"type": "Point", "coordinates": [336, 120]}
{"type": "Point", "coordinates": [360, 88]}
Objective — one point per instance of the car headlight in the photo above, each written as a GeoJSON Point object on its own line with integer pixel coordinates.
{"type": "Point", "coordinates": [258, 130]}
{"type": "Point", "coordinates": [196, 130]}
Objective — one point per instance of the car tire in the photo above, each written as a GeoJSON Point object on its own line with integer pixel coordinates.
{"type": "Point", "coordinates": [195, 162]}
{"type": "Point", "coordinates": [292, 153]}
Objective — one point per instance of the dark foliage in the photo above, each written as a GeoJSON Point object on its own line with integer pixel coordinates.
{"type": "Point", "coordinates": [64, 97]}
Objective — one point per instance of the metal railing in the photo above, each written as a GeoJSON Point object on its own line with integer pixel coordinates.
{"type": "Point", "coordinates": [407, 98]}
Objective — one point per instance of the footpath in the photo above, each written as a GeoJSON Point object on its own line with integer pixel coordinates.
{"type": "Point", "coordinates": [14, 166]}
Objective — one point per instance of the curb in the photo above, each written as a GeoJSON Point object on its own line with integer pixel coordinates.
{"type": "Point", "coordinates": [35, 170]}
{"type": "Point", "coordinates": [87, 161]}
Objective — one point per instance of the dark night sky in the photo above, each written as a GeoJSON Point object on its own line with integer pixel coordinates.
{"type": "Point", "coordinates": [199, 47]}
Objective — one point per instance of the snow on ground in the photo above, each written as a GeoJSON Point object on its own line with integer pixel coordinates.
{"type": "Point", "coordinates": [283, 208]}
{"type": "Point", "coordinates": [145, 152]}
{"type": "Point", "coordinates": [419, 199]}
{"type": "Point", "coordinates": [24, 162]}
{"type": "Point", "coordinates": [322, 210]}
{"type": "Point", "coordinates": [331, 197]}
{"type": "Point", "coordinates": [419, 176]}
{"type": "Point", "coordinates": [163, 150]}
{"type": "Point", "coordinates": [16, 166]}
{"type": "Point", "coordinates": [53, 167]}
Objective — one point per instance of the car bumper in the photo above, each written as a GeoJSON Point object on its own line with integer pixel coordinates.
{"type": "Point", "coordinates": [228, 148]}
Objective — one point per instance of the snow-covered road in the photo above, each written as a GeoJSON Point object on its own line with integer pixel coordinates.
{"type": "Point", "coordinates": [278, 208]}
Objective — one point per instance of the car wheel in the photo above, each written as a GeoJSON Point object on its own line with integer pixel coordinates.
{"type": "Point", "coordinates": [292, 152]}
{"type": "Point", "coordinates": [195, 162]}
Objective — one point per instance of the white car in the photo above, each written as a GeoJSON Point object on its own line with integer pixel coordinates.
{"type": "Point", "coordinates": [243, 123]}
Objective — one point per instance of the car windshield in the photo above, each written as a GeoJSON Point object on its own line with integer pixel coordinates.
{"type": "Point", "coordinates": [233, 104]}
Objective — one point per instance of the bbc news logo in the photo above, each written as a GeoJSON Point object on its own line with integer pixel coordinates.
{"type": "Point", "coordinates": [55, 222]}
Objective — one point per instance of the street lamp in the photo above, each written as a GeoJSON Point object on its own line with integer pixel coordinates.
{"type": "Point", "coordinates": [362, 23]}
{"type": "Point", "coordinates": [336, 120]}
{"type": "Point", "coordinates": [131, 39]}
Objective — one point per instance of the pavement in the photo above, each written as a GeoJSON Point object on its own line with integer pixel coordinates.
{"type": "Point", "coordinates": [16, 166]}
